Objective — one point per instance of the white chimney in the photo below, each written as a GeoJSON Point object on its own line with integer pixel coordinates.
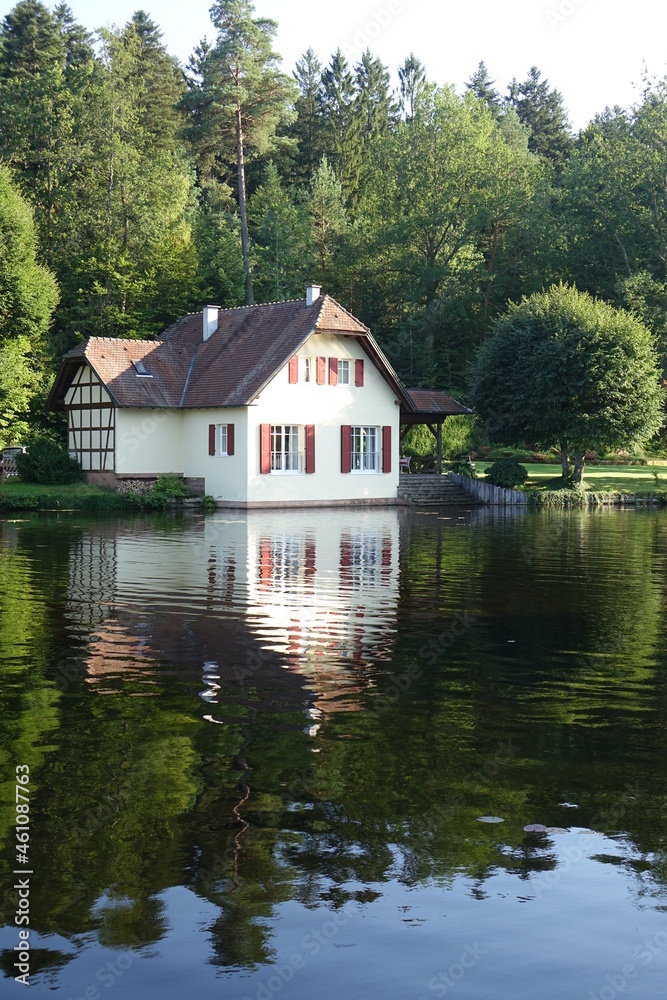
{"type": "Point", "coordinates": [312, 294]}
{"type": "Point", "coordinates": [210, 320]}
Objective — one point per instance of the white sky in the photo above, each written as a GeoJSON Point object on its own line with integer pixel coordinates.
{"type": "Point", "coordinates": [593, 51]}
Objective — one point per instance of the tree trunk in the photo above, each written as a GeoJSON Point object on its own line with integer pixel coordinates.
{"type": "Point", "coordinates": [245, 243]}
{"type": "Point", "coordinates": [565, 461]}
{"type": "Point", "coordinates": [579, 462]}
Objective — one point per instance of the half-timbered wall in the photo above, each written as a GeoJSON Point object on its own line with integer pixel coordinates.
{"type": "Point", "coordinates": [90, 422]}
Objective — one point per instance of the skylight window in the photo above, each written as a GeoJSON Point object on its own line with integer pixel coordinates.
{"type": "Point", "coordinates": [140, 369]}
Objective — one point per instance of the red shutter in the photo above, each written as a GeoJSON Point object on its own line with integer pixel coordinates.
{"type": "Point", "coordinates": [310, 447]}
{"type": "Point", "coordinates": [230, 439]}
{"type": "Point", "coordinates": [321, 371]}
{"type": "Point", "coordinates": [294, 370]}
{"type": "Point", "coordinates": [386, 449]}
{"type": "Point", "coordinates": [333, 371]}
{"type": "Point", "coordinates": [211, 439]}
{"type": "Point", "coordinates": [359, 371]}
{"type": "Point", "coordinates": [264, 448]}
{"type": "Point", "coordinates": [346, 448]}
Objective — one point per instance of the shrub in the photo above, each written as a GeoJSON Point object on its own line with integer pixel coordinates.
{"type": "Point", "coordinates": [169, 487]}
{"type": "Point", "coordinates": [507, 472]}
{"type": "Point", "coordinates": [47, 462]}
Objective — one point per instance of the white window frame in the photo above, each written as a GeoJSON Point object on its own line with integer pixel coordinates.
{"type": "Point", "coordinates": [286, 461]}
{"type": "Point", "coordinates": [365, 459]}
{"type": "Point", "coordinates": [344, 371]}
{"type": "Point", "coordinates": [307, 369]}
{"type": "Point", "coordinates": [223, 439]}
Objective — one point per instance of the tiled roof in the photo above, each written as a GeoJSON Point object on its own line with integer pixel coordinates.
{"type": "Point", "coordinates": [426, 401]}
{"type": "Point", "coordinates": [229, 369]}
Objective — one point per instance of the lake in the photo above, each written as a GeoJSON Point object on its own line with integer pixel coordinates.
{"type": "Point", "coordinates": [268, 754]}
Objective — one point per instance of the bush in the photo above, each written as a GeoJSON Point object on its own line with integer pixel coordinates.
{"type": "Point", "coordinates": [47, 462]}
{"type": "Point", "coordinates": [507, 472]}
{"type": "Point", "coordinates": [169, 487]}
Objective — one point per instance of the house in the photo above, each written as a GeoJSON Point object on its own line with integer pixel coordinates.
{"type": "Point", "coordinates": [267, 405]}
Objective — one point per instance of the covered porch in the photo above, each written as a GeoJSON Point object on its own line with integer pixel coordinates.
{"type": "Point", "coordinates": [431, 408]}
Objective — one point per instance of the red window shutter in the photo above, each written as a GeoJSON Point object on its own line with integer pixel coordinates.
{"type": "Point", "coordinates": [294, 370]}
{"type": "Point", "coordinates": [321, 371]}
{"type": "Point", "coordinates": [264, 449]}
{"type": "Point", "coordinates": [333, 371]}
{"type": "Point", "coordinates": [386, 449]}
{"type": "Point", "coordinates": [346, 448]}
{"type": "Point", "coordinates": [359, 372]}
{"type": "Point", "coordinates": [230, 439]}
{"type": "Point", "coordinates": [310, 447]}
{"type": "Point", "coordinates": [211, 439]}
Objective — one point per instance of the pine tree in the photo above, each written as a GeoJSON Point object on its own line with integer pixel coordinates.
{"type": "Point", "coordinates": [542, 110]}
{"type": "Point", "coordinates": [412, 80]}
{"type": "Point", "coordinates": [306, 128]}
{"type": "Point", "coordinates": [239, 103]}
{"type": "Point", "coordinates": [341, 126]}
{"type": "Point", "coordinates": [326, 207]}
{"type": "Point", "coordinates": [374, 103]}
{"type": "Point", "coordinates": [484, 89]}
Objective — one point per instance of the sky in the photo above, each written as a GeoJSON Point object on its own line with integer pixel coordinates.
{"type": "Point", "coordinates": [593, 51]}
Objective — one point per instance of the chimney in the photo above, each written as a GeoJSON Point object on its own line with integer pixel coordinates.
{"type": "Point", "coordinates": [210, 320]}
{"type": "Point", "coordinates": [312, 294]}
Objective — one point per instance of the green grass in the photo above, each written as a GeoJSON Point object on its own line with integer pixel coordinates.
{"type": "Point", "coordinates": [612, 478]}
{"type": "Point", "coordinates": [15, 496]}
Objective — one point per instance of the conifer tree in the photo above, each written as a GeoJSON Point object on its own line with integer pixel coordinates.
{"type": "Point", "coordinates": [484, 89]}
{"type": "Point", "coordinates": [412, 81]}
{"type": "Point", "coordinates": [542, 110]}
{"type": "Point", "coordinates": [306, 128]}
{"type": "Point", "coordinates": [239, 103]}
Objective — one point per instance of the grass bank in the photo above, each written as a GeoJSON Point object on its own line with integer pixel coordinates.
{"type": "Point", "coordinates": [18, 496]}
{"type": "Point", "coordinates": [639, 479]}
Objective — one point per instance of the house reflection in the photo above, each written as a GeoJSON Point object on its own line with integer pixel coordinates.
{"type": "Point", "coordinates": [253, 594]}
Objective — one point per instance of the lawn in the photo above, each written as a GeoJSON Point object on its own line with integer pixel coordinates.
{"type": "Point", "coordinates": [618, 478]}
{"type": "Point", "coordinates": [13, 487]}
{"type": "Point", "coordinates": [15, 495]}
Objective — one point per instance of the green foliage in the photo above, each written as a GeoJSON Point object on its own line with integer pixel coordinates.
{"type": "Point", "coordinates": [507, 473]}
{"type": "Point", "coordinates": [563, 369]}
{"type": "Point", "coordinates": [47, 462]}
{"type": "Point", "coordinates": [171, 487]}
{"type": "Point", "coordinates": [460, 435]}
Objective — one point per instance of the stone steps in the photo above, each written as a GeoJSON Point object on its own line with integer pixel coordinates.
{"type": "Point", "coordinates": [431, 490]}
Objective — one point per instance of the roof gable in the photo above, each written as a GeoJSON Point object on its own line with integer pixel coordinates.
{"type": "Point", "coordinates": [249, 347]}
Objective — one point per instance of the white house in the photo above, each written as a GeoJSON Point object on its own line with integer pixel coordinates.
{"type": "Point", "coordinates": [267, 405]}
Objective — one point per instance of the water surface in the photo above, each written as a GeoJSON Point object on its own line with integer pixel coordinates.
{"type": "Point", "coordinates": [260, 746]}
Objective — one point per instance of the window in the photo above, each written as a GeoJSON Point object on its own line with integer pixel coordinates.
{"type": "Point", "coordinates": [285, 450]}
{"type": "Point", "coordinates": [307, 369]}
{"type": "Point", "coordinates": [343, 372]}
{"type": "Point", "coordinates": [222, 432]}
{"type": "Point", "coordinates": [140, 369]}
{"type": "Point", "coordinates": [365, 449]}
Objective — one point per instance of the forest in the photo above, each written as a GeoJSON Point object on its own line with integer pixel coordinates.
{"type": "Point", "coordinates": [134, 189]}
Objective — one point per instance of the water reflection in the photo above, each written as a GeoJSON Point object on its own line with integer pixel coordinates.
{"type": "Point", "coordinates": [242, 727]}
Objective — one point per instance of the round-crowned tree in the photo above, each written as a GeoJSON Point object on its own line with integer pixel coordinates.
{"type": "Point", "coordinates": [563, 369]}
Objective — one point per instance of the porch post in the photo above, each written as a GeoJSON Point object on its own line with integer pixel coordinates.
{"type": "Point", "coordinates": [439, 453]}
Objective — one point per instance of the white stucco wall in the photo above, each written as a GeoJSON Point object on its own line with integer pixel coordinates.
{"type": "Point", "coordinates": [149, 442]}
{"type": "Point", "coordinates": [327, 407]}
{"type": "Point", "coordinates": [226, 475]}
